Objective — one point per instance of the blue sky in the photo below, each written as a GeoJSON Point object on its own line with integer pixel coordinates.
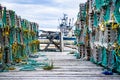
{"type": "Point", "coordinates": [45, 12]}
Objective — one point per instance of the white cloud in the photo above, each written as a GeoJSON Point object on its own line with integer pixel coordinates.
{"type": "Point", "coordinates": [45, 16]}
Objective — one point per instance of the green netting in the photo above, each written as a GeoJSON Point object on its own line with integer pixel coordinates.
{"type": "Point", "coordinates": [78, 15]}
{"type": "Point", "coordinates": [107, 13]}
{"type": "Point", "coordinates": [77, 32]}
{"type": "Point", "coordinates": [28, 68]}
{"type": "Point", "coordinates": [106, 2]}
{"type": "Point", "coordinates": [25, 39]}
{"type": "Point", "coordinates": [18, 37]}
{"type": "Point", "coordinates": [92, 59]}
{"type": "Point", "coordinates": [95, 20]}
{"type": "Point", "coordinates": [12, 17]}
{"type": "Point", "coordinates": [1, 24]}
{"type": "Point", "coordinates": [11, 36]}
{"type": "Point", "coordinates": [118, 65]}
{"type": "Point", "coordinates": [34, 27]}
{"type": "Point", "coordinates": [32, 65]}
{"type": "Point", "coordinates": [118, 38]}
{"type": "Point", "coordinates": [10, 53]}
{"type": "Point", "coordinates": [4, 17]}
{"type": "Point", "coordinates": [18, 54]}
{"type": "Point", "coordinates": [81, 43]}
{"type": "Point", "coordinates": [77, 55]}
{"type": "Point", "coordinates": [83, 13]}
{"type": "Point", "coordinates": [104, 57]}
{"type": "Point", "coordinates": [117, 11]}
{"type": "Point", "coordinates": [1, 17]}
{"type": "Point", "coordinates": [114, 1]}
{"type": "Point", "coordinates": [98, 4]}
{"type": "Point", "coordinates": [75, 42]}
{"type": "Point", "coordinates": [24, 24]}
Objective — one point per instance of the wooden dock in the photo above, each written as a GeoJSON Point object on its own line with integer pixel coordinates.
{"type": "Point", "coordinates": [67, 67]}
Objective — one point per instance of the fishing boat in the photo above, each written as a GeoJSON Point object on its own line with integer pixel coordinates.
{"type": "Point", "coordinates": [66, 27]}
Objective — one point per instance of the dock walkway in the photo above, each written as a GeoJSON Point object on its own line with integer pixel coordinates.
{"type": "Point", "coordinates": [67, 67]}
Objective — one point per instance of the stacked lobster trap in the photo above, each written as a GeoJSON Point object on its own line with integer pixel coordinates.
{"type": "Point", "coordinates": [18, 38]}
{"type": "Point", "coordinates": [80, 31]}
{"type": "Point", "coordinates": [101, 32]}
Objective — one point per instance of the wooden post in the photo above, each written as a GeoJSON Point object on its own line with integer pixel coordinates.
{"type": "Point", "coordinates": [61, 42]}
